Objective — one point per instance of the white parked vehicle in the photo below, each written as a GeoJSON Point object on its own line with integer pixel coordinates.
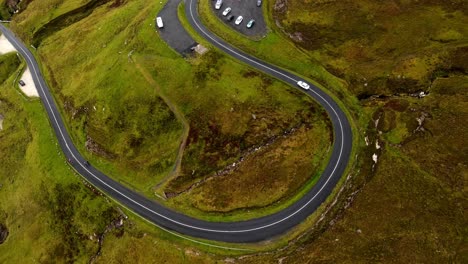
{"type": "Point", "coordinates": [239, 20]}
{"type": "Point", "coordinates": [226, 11]}
{"type": "Point", "coordinates": [159, 22]}
{"type": "Point", "coordinates": [303, 85]}
{"type": "Point", "coordinates": [218, 4]}
{"type": "Point", "coordinates": [251, 23]}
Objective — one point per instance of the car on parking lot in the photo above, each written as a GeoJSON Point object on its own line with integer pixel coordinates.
{"type": "Point", "coordinates": [229, 17]}
{"type": "Point", "coordinates": [251, 23]}
{"type": "Point", "coordinates": [226, 11]}
{"type": "Point", "coordinates": [239, 20]}
{"type": "Point", "coordinates": [303, 85]}
{"type": "Point", "coordinates": [21, 82]}
{"type": "Point", "coordinates": [218, 4]}
{"type": "Point", "coordinates": [259, 2]}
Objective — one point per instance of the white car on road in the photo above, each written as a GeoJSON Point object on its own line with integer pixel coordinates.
{"type": "Point", "coordinates": [303, 85]}
{"type": "Point", "coordinates": [239, 20]}
{"type": "Point", "coordinates": [226, 11]}
{"type": "Point", "coordinates": [218, 4]}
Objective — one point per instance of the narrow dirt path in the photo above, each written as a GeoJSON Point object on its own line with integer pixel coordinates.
{"type": "Point", "coordinates": [180, 116]}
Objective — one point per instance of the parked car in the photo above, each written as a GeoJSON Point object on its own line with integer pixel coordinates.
{"type": "Point", "coordinates": [159, 22]}
{"type": "Point", "coordinates": [230, 18]}
{"type": "Point", "coordinates": [218, 4]}
{"type": "Point", "coordinates": [239, 20]}
{"type": "Point", "coordinates": [21, 82]}
{"type": "Point", "coordinates": [226, 11]}
{"type": "Point", "coordinates": [303, 85]}
{"type": "Point", "coordinates": [251, 23]}
{"type": "Point", "coordinates": [259, 2]}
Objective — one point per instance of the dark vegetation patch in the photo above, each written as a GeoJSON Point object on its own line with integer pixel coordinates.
{"type": "Point", "coordinates": [399, 105]}
{"type": "Point", "coordinates": [250, 74]}
{"type": "Point", "coordinates": [117, 3]}
{"type": "Point", "coordinates": [7, 8]}
{"type": "Point", "coordinates": [8, 64]}
{"type": "Point", "coordinates": [65, 203]}
{"type": "Point", "coordinates": [68, 18]}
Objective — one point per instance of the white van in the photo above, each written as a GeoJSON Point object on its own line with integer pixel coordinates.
{"type": "Point", "coordinates": [218, 4]}
{"type": "Point", "coordinates": [159, 22]}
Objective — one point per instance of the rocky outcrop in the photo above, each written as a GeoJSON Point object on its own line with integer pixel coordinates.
{"type": "Point", "coordinates": [94, 147]}
{"type": "Point", "coordinates": [115, 224]}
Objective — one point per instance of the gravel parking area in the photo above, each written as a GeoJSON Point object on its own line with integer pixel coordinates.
{"type": "Point", "coordinates": [249, 10]}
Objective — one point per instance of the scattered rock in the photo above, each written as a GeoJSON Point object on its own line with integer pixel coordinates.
{"type": "Point", "coordinates": [192, 252]}
{"type": "Point", "coordinates": [3, 233]}
{"type": "Point", "coordinates": [200, 49]}
{"type": "Point", "coordinates": [421, 120]}
{"type": "Point", "coordinates": [297, 37]}
{"type": "Point", "coordinates": [129, 55]}
{"type": "Point", "coordinates": [1, 121]}
{"type": "Point", "coordinates": [421, 94]}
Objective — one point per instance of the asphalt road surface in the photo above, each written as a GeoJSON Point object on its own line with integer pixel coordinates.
{"type": "Point", "coordinates": [173, 32]}
{"type": "Point", "coordinates": [248, 9]}
{"type": "Point", "coordinates": [244, 231]}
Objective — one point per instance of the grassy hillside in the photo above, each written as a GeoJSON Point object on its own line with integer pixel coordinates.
{"type": "Point", "coordinates": [408, 206]}
{"type": "Point", "coordinates": [379, 48]}
{"type": "Point", "coordinates": [172, 126]}
{"type": "Point", "coordinates": [49, 214]}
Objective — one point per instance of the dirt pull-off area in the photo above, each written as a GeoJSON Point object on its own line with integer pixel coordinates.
{"type": "Point", "coordinates": [29, 87]}
{"type": "Point", "coordinates": [5, 45]}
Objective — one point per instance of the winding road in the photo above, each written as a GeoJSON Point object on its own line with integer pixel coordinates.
{"type": "Point", "coordinates": [244, 231]}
